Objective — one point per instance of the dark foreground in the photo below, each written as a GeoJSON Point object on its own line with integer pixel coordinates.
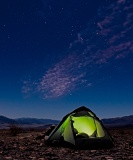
{"type": "Point", "coordinates": [30, 146]}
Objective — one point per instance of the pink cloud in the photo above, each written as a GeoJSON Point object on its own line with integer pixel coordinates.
{"type": "Point", "coordinates": [61, 79]}
{"type": "Point", "coordinates": [95, 46]}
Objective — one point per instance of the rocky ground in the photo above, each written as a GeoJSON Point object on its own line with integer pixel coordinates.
{"type": "Point", "coordinates": [30, 146]}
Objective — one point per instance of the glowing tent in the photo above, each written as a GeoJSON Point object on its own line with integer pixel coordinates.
{"type": "Point", "coordinates": [81, 129]}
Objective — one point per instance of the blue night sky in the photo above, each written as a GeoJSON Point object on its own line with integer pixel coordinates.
{"type": "Point", "coordinates": [58, 55]}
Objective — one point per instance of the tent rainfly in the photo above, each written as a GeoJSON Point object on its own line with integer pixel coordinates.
{"type": "Point", "coordinates": [80, 129]}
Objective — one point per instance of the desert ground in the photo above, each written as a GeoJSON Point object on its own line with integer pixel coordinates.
{"type": "Point", "coordinates": [30, 145]}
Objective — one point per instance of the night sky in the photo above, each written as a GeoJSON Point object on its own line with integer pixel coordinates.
{"type": "Point", "coordinates": [57, 55]}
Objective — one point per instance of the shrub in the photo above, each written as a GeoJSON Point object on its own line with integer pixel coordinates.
{"type": "Point", "coordinates": [14, 129]}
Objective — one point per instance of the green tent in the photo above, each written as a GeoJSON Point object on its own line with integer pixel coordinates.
{"type": "Point", "coordinates": [81, 129]}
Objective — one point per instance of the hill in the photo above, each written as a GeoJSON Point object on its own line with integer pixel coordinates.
{"type": "Point", "coordinates": [119, 121]}
{"type": "Point", "coordinates": [36, 121]}
{"type": "Point", "coordinates": [5, 120]}
{"type": "Point", "coordinates": [126, 121]}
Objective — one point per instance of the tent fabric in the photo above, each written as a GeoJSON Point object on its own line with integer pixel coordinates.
{"type": "Point", "coordinates": [81, 129]}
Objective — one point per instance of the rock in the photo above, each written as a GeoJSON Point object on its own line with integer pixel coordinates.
{"type": "Point", "coordinates": [109, 158]}
{"type": "Point", "coordinates": [8, 158]}
{"type": "Point", "coordinates": [1, 158]}
{"type": "Point", "coordinates": [26, 147]}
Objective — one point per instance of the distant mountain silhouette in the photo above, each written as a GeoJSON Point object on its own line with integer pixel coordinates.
{"type": "Point", "coordinates": [5, 120]}
{"type": "Point", "coordinates": [36, 121]}
{"type": "Point", "coordinates": [126, 121]}
{"type": "Point", "coordinates": [119, 121]}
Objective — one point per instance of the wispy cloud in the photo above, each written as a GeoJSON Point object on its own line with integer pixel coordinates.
{"type": "Point", "coordinates": [27, 88]}
{"type": "Point", "coordinates": [107, 37]}
{"type": "Point", "coordinates": [61, 79]}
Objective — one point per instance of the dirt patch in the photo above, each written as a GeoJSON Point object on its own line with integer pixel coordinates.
{"type": "Point", "coordinates": [27, 146]}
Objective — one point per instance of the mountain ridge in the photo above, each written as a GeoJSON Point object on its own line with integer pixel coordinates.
{"type": "Point", "coordinates": [109, 122]}
{"type": "Point", "coordinates": [36, 121]}
{"type": "Point", "coordinates": [119, 121]}
{"type": "Point", "coordinates": [4, 119]}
